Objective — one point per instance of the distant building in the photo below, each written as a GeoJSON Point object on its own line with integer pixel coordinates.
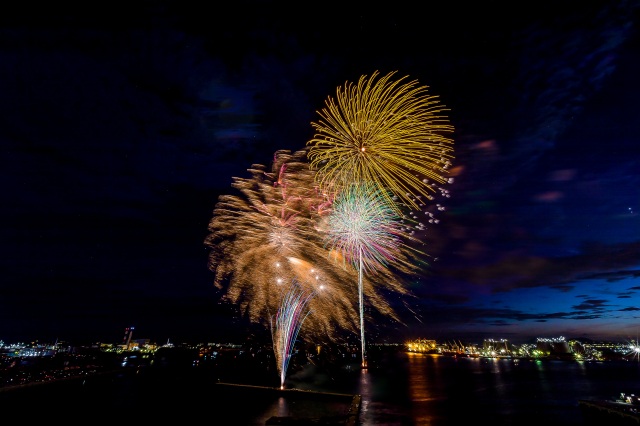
{"type": "Point", "coordinates": [126, 341]}
{"type": "Point", "coordinates": [421, 345]}
{"type": "Point", "coordinates": [556, 346]}
{"type": "Point", "coordinates": [498, 348]}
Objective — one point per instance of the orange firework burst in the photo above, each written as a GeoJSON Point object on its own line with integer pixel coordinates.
{"type": "Point", "coordinates": [268, 236]}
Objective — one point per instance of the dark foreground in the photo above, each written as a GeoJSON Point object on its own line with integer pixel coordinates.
{"type": "Point", "coordinates": [185, 395]}
{"type": "Point", "coordinates": [398, 389]}
{"type": "Point", "coordinates": [231, 390]}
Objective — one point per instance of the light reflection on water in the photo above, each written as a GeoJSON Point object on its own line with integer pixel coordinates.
{"type": "Point", "coordinates": [365, 391]}
{"type": "Point", "coordinates": [406, 389]}
{"type": "Point", "coordinates": [283, 407]}
{"type": "Point", "coordinates": [419, 389]}
{"type": "Point", "coordinates": [440, 390]}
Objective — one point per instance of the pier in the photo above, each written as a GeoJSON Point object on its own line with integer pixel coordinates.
{"type": "Point", "coordinates": [610, 412]}
{"type": "Point", "coordinates": [330, 409]}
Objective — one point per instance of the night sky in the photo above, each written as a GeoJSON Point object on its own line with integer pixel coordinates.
{"type": "Point", "coordinates": [120, 127]}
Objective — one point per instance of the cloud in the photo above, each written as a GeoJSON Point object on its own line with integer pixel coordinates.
{"type": "Point", "coordinates": [513, 272]}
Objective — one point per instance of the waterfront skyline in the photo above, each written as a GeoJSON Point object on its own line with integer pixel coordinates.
{"type": "Point", "coordinates": [120, 131]}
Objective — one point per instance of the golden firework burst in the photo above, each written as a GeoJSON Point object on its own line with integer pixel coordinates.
{"type": "Point", "coordinates": [387, 133]}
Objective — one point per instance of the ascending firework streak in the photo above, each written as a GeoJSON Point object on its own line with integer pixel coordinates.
{"type": "Point", "coordinates": [384, 135]}
{"type": "Point", "coordinates": [368, 234]}
{"type": "Point", "coordinates": [291, 314]}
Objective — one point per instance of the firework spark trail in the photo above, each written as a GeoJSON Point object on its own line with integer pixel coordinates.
{"type": "Point", "coordinates": [386, 133]}
{"type": "Point", "coordinates": [367, 232]}
{"type": "Point", "coordinates": [291, 315]}
{"type": "Point", "coordinates": [268, 235]}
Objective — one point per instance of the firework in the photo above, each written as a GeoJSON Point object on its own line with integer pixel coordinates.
{"type": "Point", "coordinates": [267, 236]}
{"type": "Point", "coordinates": [366, 230]}
{"type": "Point", "coordinates": [291, 314]}
{"type": "Point", "coordinates": [385, 133]}
{"type": "Point", "coordinates": [367, 233]}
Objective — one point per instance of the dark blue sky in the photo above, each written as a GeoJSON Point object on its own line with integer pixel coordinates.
{"type": "Point", "coordinates": [120, 128]}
